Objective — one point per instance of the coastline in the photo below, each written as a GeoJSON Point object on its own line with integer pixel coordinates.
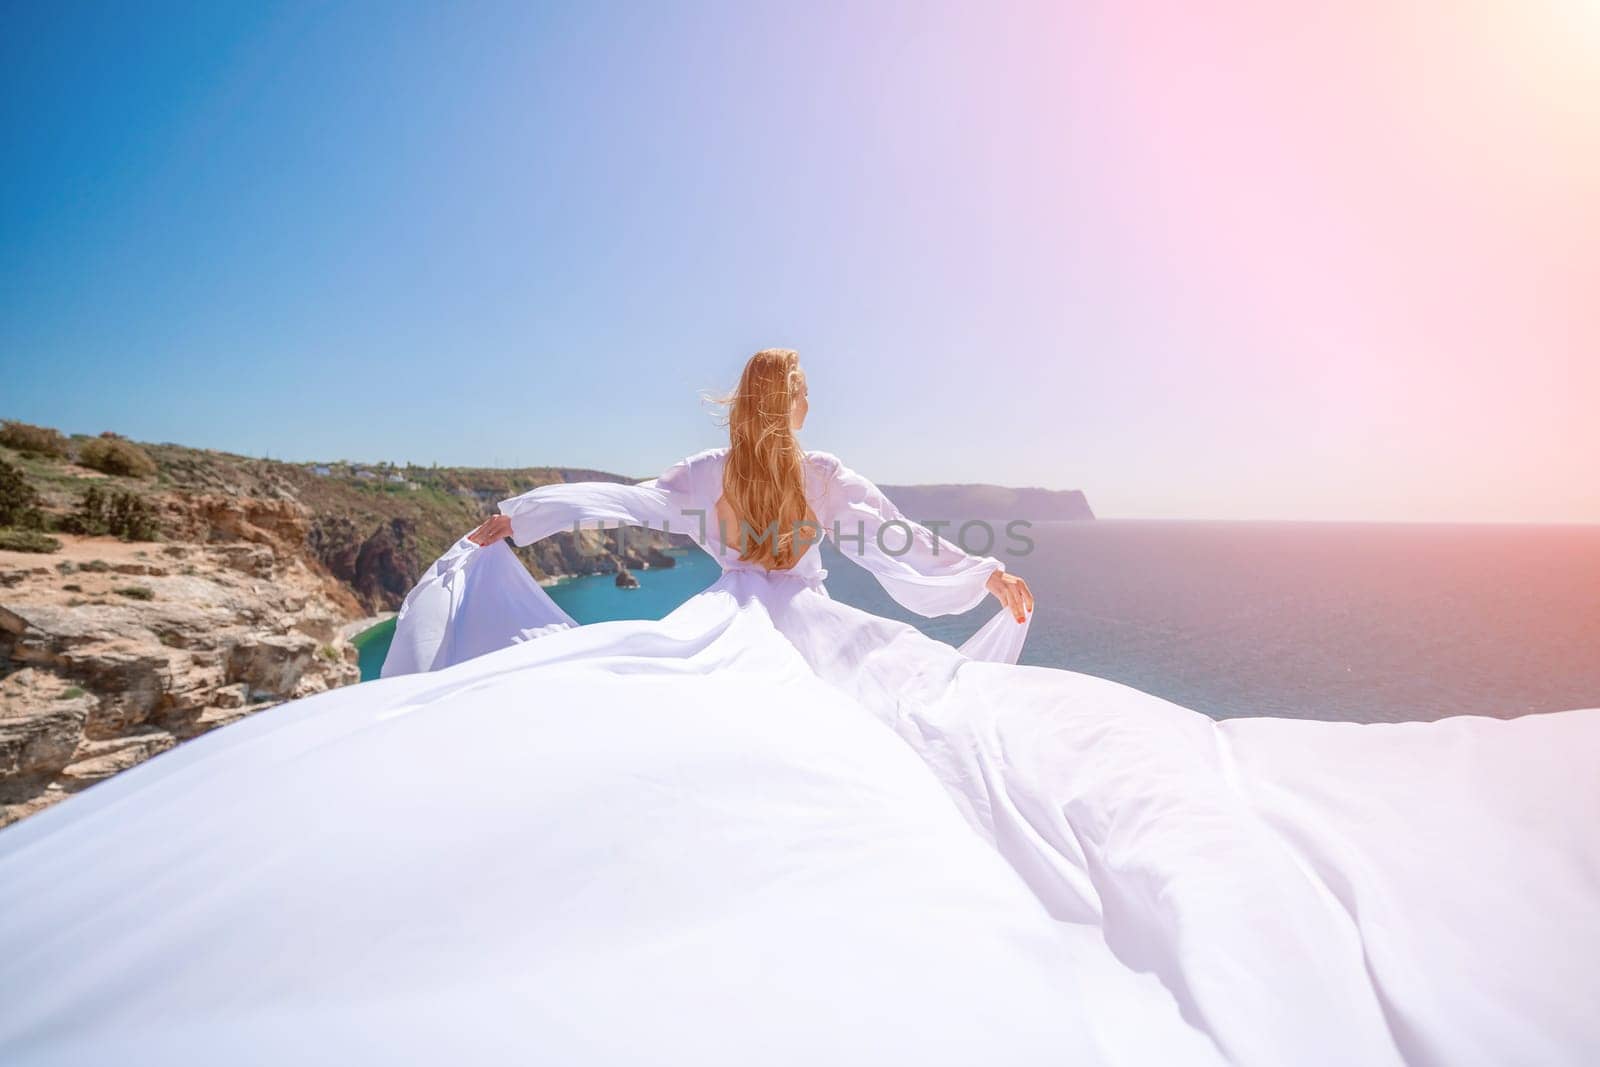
{"type": "Point", "coordinates": [357, 627]}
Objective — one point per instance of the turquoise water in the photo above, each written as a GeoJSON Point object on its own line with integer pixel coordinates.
{"type": "Point", "coordinates": [372, 646]}
{"type": "Point", "coordinates": [594, 598]}
{"type": "Point", "coordinates": [1355, 622]}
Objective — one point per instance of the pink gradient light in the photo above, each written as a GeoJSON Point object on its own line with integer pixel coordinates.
{"type": "Point", "coordinates": [1291, 262]}
{"type": "Point", "coordinates": [1397, 216]}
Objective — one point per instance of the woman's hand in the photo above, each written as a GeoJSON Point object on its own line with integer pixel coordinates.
{"type": "Point", "coordinates": [494, 528]}
{"type": "Point", "coordinates": [1013, 592]}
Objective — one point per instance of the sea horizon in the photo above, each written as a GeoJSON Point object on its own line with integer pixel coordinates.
{"type": "Point", "coordinates": [1348, 621]}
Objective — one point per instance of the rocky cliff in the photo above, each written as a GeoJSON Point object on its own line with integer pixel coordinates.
{"type": "Point", "coordinates": [170, 590]}
{"type": "Point", "coordinates": [113, 652]}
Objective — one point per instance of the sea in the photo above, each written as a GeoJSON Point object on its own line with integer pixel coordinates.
{"type": "Point", "coordinates": [1353, 622]}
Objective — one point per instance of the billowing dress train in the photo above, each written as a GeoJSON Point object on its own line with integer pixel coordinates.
{"type": "Point", "coordinates": [773, 829]}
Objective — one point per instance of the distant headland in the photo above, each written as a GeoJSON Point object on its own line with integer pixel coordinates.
{"type": "Point", "coordinates": [924, 502]}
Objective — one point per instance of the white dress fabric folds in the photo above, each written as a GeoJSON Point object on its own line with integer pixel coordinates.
{"type": "Point", "coordinates": [773, 829]}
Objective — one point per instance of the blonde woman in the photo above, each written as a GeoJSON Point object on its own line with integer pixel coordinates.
{"type": "Point", "coordinates": [759, 506]}
{"type": "Point", "coordinates": [771, 828]}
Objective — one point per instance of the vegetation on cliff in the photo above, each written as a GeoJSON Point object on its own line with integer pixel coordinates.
{"type": "Point", "coordinates": [373, 527]}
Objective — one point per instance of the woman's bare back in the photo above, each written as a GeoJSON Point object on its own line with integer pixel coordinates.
{"type": "Point", "coordinates": [729, 525]}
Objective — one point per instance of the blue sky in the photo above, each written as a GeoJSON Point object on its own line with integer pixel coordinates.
{"type": "Point", "coordinates": [526, 234]}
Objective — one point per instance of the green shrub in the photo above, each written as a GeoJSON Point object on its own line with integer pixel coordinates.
{"type": "Point", "coordinates": [136, 592]}
{"type": "Point", "coordinates": [90, 518]}
{"type": "Point", "coordinates": [72, 692]}
{"type": "Point", "coordinates": [34, 440]}
{"type": "Point", "coordinates": [131, 518]}
{"type": "Point", "coordinates": [28, 541]}
{"type": "Point", "coordinates": [118, 513]}
{"type": "Point", "coordinates": [17, 497]}
{"type": "Point", "coordinates": [115, 455]}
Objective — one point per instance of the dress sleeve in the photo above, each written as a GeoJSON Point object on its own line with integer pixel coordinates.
{"type": "Point", "coordinates": [922, 571]}
{"type": "Point", "coordinates": [664, 502]}
{"type": "Point", "coordinates": [477, 600]}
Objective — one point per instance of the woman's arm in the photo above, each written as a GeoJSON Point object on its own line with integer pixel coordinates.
{"type": "Point", "coordinates": [495, 528]}
{"type": "Point", "coordinates": [921, 570]}
{"type": "Point", "coordinates": [478, 597]}
{"type": "Point", "coordinates": [1012, 592]}
{"type": "Point", "coordinates": [665, 502]}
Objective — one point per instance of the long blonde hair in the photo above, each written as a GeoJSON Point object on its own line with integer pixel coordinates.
{"type": "Point", "coordinates": [764, 478]}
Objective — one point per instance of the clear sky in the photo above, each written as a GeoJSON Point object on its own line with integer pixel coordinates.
{"type": "Point", "coordinates": [1228, 260]}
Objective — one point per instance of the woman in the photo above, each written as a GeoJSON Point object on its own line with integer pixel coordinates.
{"type": "Point", "coordinates": [758, 506]}
{"type": "Point", "coordinates": [772, 828]}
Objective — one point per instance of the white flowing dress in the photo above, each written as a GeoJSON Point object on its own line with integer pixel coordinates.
{"type": "Point", "coordinates": [773, 829]}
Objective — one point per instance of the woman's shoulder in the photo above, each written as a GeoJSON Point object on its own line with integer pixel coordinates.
{"type": "Point", "coordinates": [702, 460]}
{"type": "Point", "coordinates": [707, 455]}
{"type": "Point", "coordinates": [689, 474]}
{"type": "Point", "coordinates": [813, 455]}
{"type": "Point", "coordinates": [824, 462]}
{"type": "Point", "coordinates": [822, 465]}
{"type": "Point", "coordinates": [825, 473]}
